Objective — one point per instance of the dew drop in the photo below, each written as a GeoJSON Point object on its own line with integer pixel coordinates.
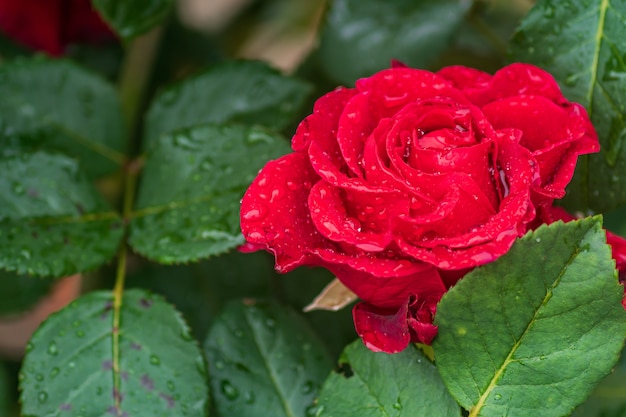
{"type": "Point", "coordinates": [29, 347]}
{"type": "Point", "coordinates": [498, 397]}
{"type": "Point", "coordinates": [308, 387]}
{"type": "Point", "coordinates": [257, 136]}
{"type": "Point", "coordinates": [52, 349]}
{"type": "Point", "coordinates": [80, 333]}
{"type": "Point", "coordinates": [229, 390]}
{"type": "Point", "coordinates": [154, 360]}
{"type": "Point", "coordinates": [397, 405]}
{"type": "Point", "coordinates": [42, 397]}
{"type": "Point", "coordinates": [77, 323]}
{"type": "Point", "coordinates": [39, 377]}
{"type": "Point", "coordinates": [249, 397]}
{"type": "Point", "coordinates": [219, 364]}
{"type": "Point", "coordinates": [257, 213]}
{"type": "Point", "coordinates": [170, 386]}
{"type": "Point", "coordinates": [54, 372]}
{"type": "Point", "coordinates": [18, 188]}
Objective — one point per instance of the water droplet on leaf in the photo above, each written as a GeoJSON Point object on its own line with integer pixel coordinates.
{"type": "Point", "coordinates": [229, 390]}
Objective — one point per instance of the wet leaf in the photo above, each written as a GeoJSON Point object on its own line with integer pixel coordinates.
{"type": "Point", "coordinates": [609, 398]}
{"type": "Point", "coordinates": [361, 37]}
{"type": "Point", "coordinates": [20, 292]}
{"type": "Point", "coordinates": [333, 297]}
{"type": "Point", "coordinates": [130, 18]}
{"type": "Point", "coordinates": [57, 105]}
{"type": "Point", "coordinates": [518, 336]}
{"type": "Point", "coordinates": [242, 91]}
{"type": "Point", "coordinates": [264, 361]}
{"type": "Point", "coordinates": [71, 363]}
{"type": "Point", "coordinates": [369, 384]}
{"type": "Point", "coordinates": [188, 202]}
{"type": "Point", "coordinates": [582, 43]}
{"type": "Point", "coordinates": [52, 221]}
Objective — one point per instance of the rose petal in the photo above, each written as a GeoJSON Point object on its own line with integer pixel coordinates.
{"type": "Point", "coordinates": [384, 282]}
{"type": "Point", "coordinates": [274, 213]}
{"type": "Point", "coordinates": [556, 135]}
{"type": "Point", "coordinates": [382, 330]}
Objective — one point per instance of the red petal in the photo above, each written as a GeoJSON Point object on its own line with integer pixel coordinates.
{"type": "Point", "coordinates": [36, 24]}
{"type": "Point", "coordinates": [556, 135]}
{"type": "Point", "coordinates": [382, 330]}
{"type": "Point", "coordinates": [274, 212]}
{"type": "Point", "coordinates": [384, 282]}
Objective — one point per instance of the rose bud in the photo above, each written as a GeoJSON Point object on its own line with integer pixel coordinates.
{"type": "Point", "coordinates": [403, 184]}
{"type": "Point", "coordinates": [50, 25]}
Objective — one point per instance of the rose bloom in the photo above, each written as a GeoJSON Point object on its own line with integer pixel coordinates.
{"type": "Point", "coordinates": [50, 25]}
{"type": "Point", "coordinates": [403, 184]}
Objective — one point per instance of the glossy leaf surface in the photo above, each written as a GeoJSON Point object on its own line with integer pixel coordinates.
{"type": "Point", "coordinates": [583, 44]}
{"type": "Point", "coordinates": [264, 360]}
{"type": "Point", "coordinates": [241, 91]}
{"type": "Point", "coordinates": [52, 221]}
{"type": "Point", "coordinates": [369, 384]}
{"type": "Point", "coordinates": [188, 202]}
{"type": "Point", "coordinates": [361, 37]}
{"type": "Point", "coordinates": [72, 367]}
{"type": "Point", "coordinates": [534, 332]}
{"type": "Point", "coordinates": [130, 18]}
{"type": "Point", "coordinates": [58, 105]}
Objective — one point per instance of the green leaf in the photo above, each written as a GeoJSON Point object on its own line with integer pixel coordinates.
{"type": "Point", "coordinates": [20, 292]}
{"type": "Point", "coordinates": [369, 384]}
{"type": "Point", "coordinates": [188, 203]}
{"type": "Point", "coordinates": [361, 37]}
{"type": "Point", "coordinates": [130, 18]}
{"type": "Point", "coordinates": [52, 221]}
{"type": "Point", "coordinates": [73, 362]}
{"type": "Point", "coordinates": [609, 398]}
{"type": "Point", "coordinates": [264, 361]}
{"type": "Point", "coordinates": [242, 91]}
{"type": "Point", "coordinates": [582, 43]}
{"type": "Point", "coordinates": [533, 333]}
{"type": "Point", "coordinates": [57, 105]}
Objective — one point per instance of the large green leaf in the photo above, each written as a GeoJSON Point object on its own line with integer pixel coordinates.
{"type": "Point", "coordinates": [80, 362]}
{"type": "Point", "coordinates": [58, 105]}
{"type": "Point", "coordinates": [369, 384]}
{"type": "Point", "coordinates": [361, 37]}
{"type": "Point", "coordinates": [609, 398]}
{"type": "Point", "coordinates": [52, 221]}
{"type": "Point", "coordinates": [130, 18]}
{"type": "Point", "coordinates": [533, 333]}
{"type": "Point", "coordinates": [242, 91]}
{"type": "Point", "coordinates": [188, 203]}
{"type": "Point", "coordinates": [264, 361]}
{"type": "Point", "coordinates": [20, 292]}
{"type": "Point", "coordinates": [583, 44]}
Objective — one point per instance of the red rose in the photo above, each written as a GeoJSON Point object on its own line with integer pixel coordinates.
{"type": "Point", "coordinates": [528, 99]}
{"type": "Point", "coordinates": [404, 183]}
{"type": "Point", "coordinates": [50, 25]}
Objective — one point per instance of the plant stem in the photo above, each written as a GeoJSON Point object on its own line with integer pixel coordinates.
{"type": "Point", "coordinates": [135, 75]}
{"type": "Point", "coordinates": [133, 82]}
